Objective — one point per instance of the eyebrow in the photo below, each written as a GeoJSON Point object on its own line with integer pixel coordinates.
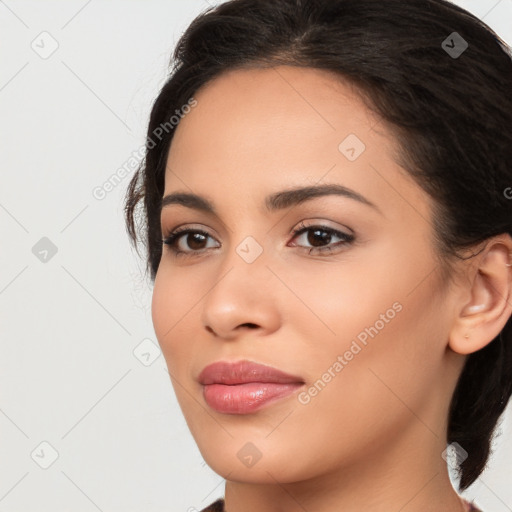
{"type": "Point", "coordinates": [274, 202]}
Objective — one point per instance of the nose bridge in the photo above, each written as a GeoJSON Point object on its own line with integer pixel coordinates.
{"type": "Point", "coordinates": [247, 238]}
{"type": "Point", "coordinates": [240, 293]}
{"type": "Point", "coordinates": [244, 266]}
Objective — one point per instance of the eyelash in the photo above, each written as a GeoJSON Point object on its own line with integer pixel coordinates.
{"type": "Point", "coordinates": [174, 236]}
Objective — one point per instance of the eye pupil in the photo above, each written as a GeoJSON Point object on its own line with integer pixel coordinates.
{"type": "Point", "coordinates": [323, 239]}
{"type": "Point", "coordinates": [195, 237]}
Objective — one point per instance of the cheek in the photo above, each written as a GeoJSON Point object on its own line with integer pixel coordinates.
{"type": "Point", "coordinates": [378, 311]}
{"type": "Point", "coordinates": [336, 302]}
{"type": "Point", "coordinates": [169, 308]}
{"type": "Point", "coordinates": [382, 382]}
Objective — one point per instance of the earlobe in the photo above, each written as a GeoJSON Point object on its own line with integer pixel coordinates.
{"type": "Point", "coordinates": [483, 317]}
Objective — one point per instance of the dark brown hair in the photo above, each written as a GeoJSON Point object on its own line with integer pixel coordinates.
{"type": "Point", "coordinates": [449, 107]}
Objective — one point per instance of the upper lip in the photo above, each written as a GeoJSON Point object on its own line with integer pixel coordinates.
{"type": "Point", "coordinates": [240, 372]}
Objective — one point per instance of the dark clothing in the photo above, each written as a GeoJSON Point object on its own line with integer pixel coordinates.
{"type": "Point", "coordinates": [217, 506]}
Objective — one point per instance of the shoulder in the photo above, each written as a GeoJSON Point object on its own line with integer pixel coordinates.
{"type": "Point", "coordinates": [217, 506]}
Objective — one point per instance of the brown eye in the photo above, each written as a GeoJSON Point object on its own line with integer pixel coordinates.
{"type": "Point", "coordinates": [320, 238]}
{"type": "Point", "coordinates": [193, 238]}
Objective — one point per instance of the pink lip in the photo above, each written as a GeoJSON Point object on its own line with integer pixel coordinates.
{"type": "Point", "coordinates": [244, 386]}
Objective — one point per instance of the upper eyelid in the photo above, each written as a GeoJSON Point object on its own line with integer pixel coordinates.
{"type": "Point", "coordinates": [311, 223]}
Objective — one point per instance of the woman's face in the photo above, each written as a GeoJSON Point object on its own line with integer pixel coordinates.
{"type": "Point", "coordinates": [355, 307]}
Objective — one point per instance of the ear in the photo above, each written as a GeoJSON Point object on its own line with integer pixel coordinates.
{"type": "Point", "coordinates": [489, 288]}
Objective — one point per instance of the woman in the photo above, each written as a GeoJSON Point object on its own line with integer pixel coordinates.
{"type": "Point", "coordinates": [329, 236]}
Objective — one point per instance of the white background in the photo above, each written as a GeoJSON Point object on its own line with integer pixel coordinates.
{"type": "Point", "coordinates": [69, 326]}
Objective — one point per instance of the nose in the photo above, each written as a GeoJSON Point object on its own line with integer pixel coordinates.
{"type": "Point", "coordinates": [242, 298]}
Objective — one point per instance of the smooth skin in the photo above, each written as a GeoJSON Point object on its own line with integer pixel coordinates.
{"type": "Point", "coordinates": [372, 439]}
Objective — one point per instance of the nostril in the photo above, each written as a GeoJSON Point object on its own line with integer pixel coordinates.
{"type": "Point", "coordinates": [249, 325]}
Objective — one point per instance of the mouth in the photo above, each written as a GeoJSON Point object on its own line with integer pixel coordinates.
{"type": "Point", "coordinates": [244, 387]}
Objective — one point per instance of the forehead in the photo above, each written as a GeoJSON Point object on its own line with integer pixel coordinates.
{"type": "Point", "coordinates": [281, 106]}
{"type": "Point", "coordinates": [258, 130]}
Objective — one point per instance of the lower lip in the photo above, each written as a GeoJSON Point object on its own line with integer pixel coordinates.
{"type": "Point", "coordinates": [245, 398]}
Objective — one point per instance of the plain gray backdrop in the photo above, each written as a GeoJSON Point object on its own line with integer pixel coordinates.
{"type": "Point", "coordinates": [88, 416]}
